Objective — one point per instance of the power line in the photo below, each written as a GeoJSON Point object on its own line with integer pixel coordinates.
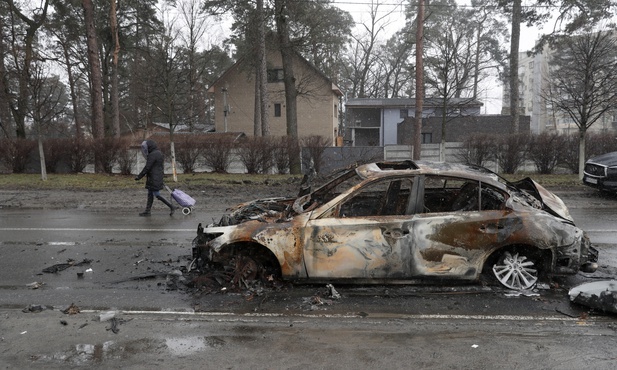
{"type": "Point", "coordinates": [464, 6]}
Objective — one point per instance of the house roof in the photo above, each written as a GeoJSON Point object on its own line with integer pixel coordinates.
{"type": "Point", "coordinates": [182, 128]}
{"type": "Point", "coordinates": [335, 89]}
{"type": "Point", "coordinates": [408, 102]}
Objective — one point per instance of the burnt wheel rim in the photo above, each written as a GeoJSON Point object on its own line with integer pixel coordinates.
{"type": "Point", "coordinates": [516, 271]}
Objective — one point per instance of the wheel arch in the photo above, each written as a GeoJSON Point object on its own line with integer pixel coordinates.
{"type": "Point", "coordinates": [258, 252]}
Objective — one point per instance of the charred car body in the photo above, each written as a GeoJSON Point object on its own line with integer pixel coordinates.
{"type": "Point", "coordinates": [601, 172]}
{"type": "Point", "coordinates": [397, 221]}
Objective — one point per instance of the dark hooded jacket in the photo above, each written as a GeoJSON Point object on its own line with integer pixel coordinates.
{"type": "Point", "coordinates": [154, 168]}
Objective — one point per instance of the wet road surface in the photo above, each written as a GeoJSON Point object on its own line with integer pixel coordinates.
{"type": "Point", "coordinates": [133, 265]}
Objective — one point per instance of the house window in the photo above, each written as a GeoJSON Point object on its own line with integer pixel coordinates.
{"type": "Point", "coordinates": [275, 75]}
{"type": "Point", "coordinates": [404, 113]}
{"type": "Point", "coordinates": [335, 111]}
{"type": "Point", "coordinates": [277, 109]}
{"type": "Point", "coordinates": [427, 137]}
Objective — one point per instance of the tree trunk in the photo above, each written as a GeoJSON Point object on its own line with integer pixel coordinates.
{"type": "Point", "coordinates": [514, 45]}
{"type": "Point", "coordinates": [257, 103]}
{"type": "Point", "coordinates": [417, 134]}
{"type": "Point", "coordinates": [291, 93]}
{"type": "Point", "coordinates": [476, 74]}
{"type": "Point", "coordinates": [442, 144]}
{"type": "Point", "coordinates": [71, 79]}
{"type": "Point", "coordinates": [6, 122]}
{"type": "Point", "coordinates": [262, 69]}
{"type": "Point", "coordinates": [42, 158]}
{"type": "Point", "coordinates": [174, 171]}
{"type": "Point", "coordinates": [172, 146]}
{"type": "Point", "coordinates": [37, 124]}
{"type": "Point", "coordinates": [581, 150]}
{"type": "Point", "coordinates": [96, 82]}
{"type": "Point", "coordinates": [115, 105]}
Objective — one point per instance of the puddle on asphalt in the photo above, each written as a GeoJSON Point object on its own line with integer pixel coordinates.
{"type": "Point", "coordinates": [83, 354]}
{"type": "Point", "coordinates": [185, 345]}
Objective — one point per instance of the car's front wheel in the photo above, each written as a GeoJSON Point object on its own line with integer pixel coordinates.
{"type": "Point", "coordinates": [516, 270]}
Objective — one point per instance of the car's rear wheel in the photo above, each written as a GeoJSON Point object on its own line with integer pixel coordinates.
{"type": "Point", "coordinates": [516, 270]}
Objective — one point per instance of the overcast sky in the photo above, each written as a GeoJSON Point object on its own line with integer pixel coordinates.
{"type": "Point", "coordinates": [360, 10]}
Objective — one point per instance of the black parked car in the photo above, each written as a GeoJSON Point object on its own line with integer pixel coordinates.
{"type": "Point", "coordinates": [601, 172]}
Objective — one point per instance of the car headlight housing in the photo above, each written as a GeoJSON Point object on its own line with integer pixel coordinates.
{"type": "Point", "coordinates": [611, 172]}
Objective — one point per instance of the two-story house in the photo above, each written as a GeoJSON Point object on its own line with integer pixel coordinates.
{"type": "Point", "coordinates": [318, 101]}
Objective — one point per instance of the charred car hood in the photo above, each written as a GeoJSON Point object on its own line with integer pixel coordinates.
{"type": "Point", "coordinates": [550, 202]}
{"type": "Point", "coordinates": [264, 210]}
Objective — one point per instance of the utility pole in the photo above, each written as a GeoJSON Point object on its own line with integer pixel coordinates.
{"type": "Point", "coordinates": [417, 132]}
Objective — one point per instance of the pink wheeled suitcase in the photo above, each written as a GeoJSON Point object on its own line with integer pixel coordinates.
{"type": "Point", "coordinates": [183, 199]}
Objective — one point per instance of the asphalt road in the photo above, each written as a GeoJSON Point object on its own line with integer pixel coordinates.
{"type": "Point", "coordinates": [133, 262]}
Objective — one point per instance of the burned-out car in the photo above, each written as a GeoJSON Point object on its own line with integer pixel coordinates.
{"type": "Point", "coordinates": [404, 221]}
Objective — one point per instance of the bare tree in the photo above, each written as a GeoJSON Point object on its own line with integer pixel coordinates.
{"type": "Point", "coordinates": [47, 102]}
{"type": "Point", "coordinates": [171, 79]}
{"type": "Point", "coordinates": [195, 27]}
{"type": "Point", "coordinates": [570, 16]}
{"type": "Point", "coordinates": [583, 80]}
{"type": "Point", "coordinates": [449, 73]}
{"type": "Point", "coordinates": [20, 109]}
{"type": "Point", "coordinates": [364, 58]}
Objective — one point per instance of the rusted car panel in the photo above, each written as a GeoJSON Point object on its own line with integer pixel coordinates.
{"type": "Point", "coordinates": [357, 249]}
{"type": "Point", "coordinates": [407, 220]}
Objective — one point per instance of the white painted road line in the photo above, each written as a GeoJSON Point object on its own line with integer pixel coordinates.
{"type": "Point", "coordinates": [237, 316]}
{"type": "Point", "coordinates": [87, 229]}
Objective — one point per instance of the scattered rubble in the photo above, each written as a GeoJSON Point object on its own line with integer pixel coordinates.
{"type": "Point", "coordinates": [240, 273]}
{"type": "Point", "coordinates": [63, 266]}
{"type": "Point", "coordinates": [332, 293]}
{"type": "Point", "coordinates": [114, 325]}
{"type": "Point", "coordinates": [35, 285]}
{"type": "Point", "coordinates": [107, 315]}
{"type": "Point", "coordinates": [35, 308]}
{"type": "Point", "coordinates": [71, 310]}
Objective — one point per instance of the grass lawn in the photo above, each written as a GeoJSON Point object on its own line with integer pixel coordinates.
{"type": "Point", "coordinates": [105, 182]}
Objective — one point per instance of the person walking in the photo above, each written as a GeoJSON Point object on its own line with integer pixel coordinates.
{"type": "Point", "coordinates": [153, 170]}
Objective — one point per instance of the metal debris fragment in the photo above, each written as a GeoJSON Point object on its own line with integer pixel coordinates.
{"type": "Point", "coordinates": [35, 285]}
{"type": "Point", "coordinates": [71, 310]}
{"type": "Point", "coordinates": [599, 295]}
{"type": "Point", "coordinates": [108, 315]}
{"type": "Point", "coordinates": [35, 308]}
{"type": "Point", "coordinates": [332, 293]}
{"type": "Point", "coordinates": [63, 266]}
{"type": "Point", "coordinates": [114, 325]}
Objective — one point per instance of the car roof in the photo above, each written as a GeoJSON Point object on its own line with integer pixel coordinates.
{"type": "Point", "coordinates": [408, 167]}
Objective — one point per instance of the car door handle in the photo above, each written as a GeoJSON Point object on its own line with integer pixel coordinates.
{"type": "Point", "coordinates": [396, 233]}
{"type": "Point", "coordinates": [491, 228]}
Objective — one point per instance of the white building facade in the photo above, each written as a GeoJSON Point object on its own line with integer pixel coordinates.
{"type": "Point", "coordinates": [534, 80]}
